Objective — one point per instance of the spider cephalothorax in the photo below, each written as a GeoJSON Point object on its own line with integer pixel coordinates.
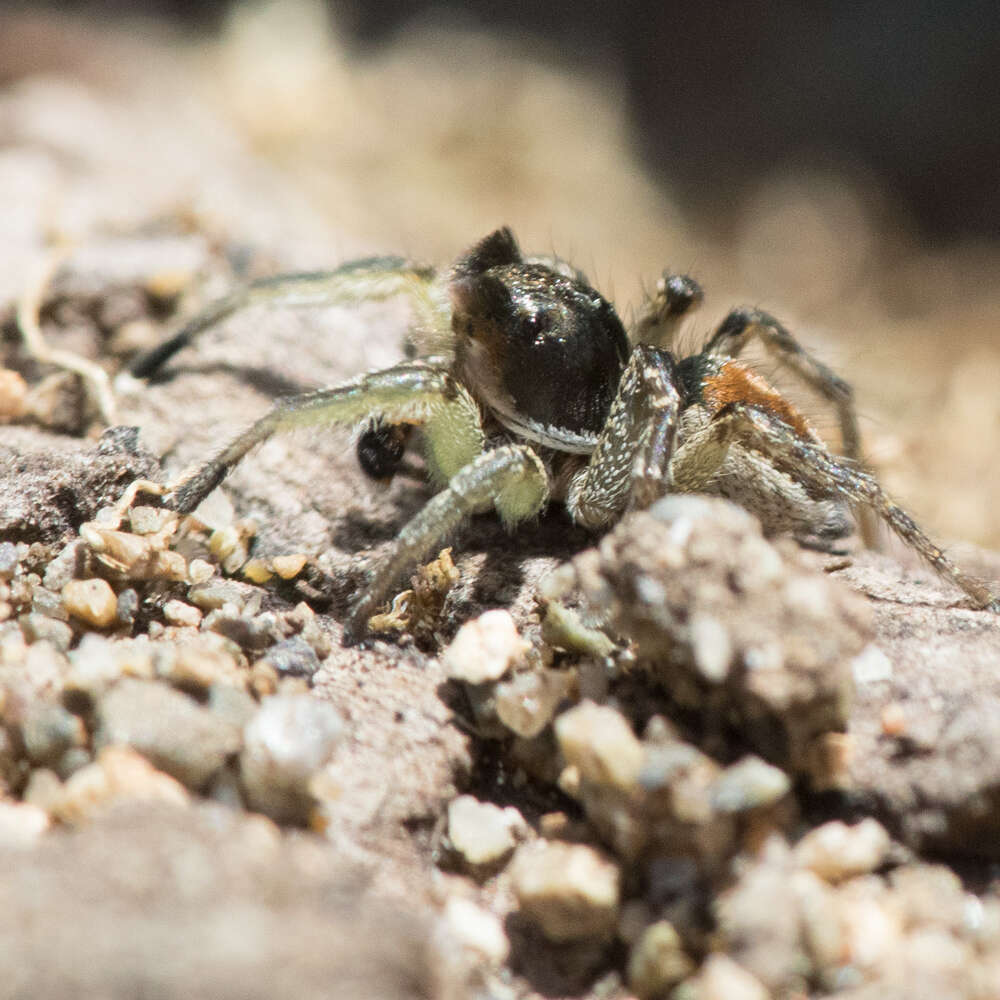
{"type": "Point", "coordinates": [525, 388]}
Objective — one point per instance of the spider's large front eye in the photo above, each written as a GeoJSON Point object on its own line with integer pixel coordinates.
{"type": "Point", "coordinates": [537, 323]}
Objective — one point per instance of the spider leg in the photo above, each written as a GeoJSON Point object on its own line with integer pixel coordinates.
{"type": "Point", "coordinates": [374, 278]}
{"type": "Point", "coordinates": [512, 478]}
{"type": "Point", "coordinates": [733, 334]}
{"type": "Point", "coordinates": [630, 464]}
{"type": "Point", "coordinates": [736, 330]}
{"type": "Point", "coordinates": [676, 296]}
{"type": "Point", "coordinates": [414, 392]}
{"type": "Point", "coordinates": [823, 474]}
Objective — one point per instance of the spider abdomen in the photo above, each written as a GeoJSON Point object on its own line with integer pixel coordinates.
{"type": "Point", "coordinates": [731, 382]}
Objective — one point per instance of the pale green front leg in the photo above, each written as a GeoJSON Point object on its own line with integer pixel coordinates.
{"type": "Point", "coordinates": [372, 279]}
{"type": "Point", "coordinates": [512, 478]}
{"type": "Point", "coordinates": [415, 392]}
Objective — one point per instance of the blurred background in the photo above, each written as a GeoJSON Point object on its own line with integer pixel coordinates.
{"type": "Point", "coordinates": [838, 164]}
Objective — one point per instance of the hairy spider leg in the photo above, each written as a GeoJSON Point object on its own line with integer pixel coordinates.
{"type": "Point", "coordinates": [628, 467]}
{"type": "Point", "coordinates": [512, 478]}
{"type": "Point", "coordinates": [371, 279]}
{"type": "Point", "coordinates": [413, 392]}
{"type": "Point", "coordinates": [732, 336]}
{"type": "Point", "coordinates": [660, 315]}
{"type": "Point", "coordinates": [821, 473]}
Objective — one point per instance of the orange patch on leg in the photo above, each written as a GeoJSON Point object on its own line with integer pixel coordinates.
{"type": "Point", "coordinates": [736, 384]}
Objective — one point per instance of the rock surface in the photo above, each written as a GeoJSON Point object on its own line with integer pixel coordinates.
{"type": "Point", "coordinates": [658, 768]}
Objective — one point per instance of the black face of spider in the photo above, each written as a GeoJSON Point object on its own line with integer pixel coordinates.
{"type": "Point", "coordinates": [543, 351]}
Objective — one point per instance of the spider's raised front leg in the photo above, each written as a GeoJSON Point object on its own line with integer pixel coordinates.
{"type": "Point", "coordinates": [413, 392]}
{"type": "Point", "coordinates": [512, 478]}
{"type": "Point", "coordinates": [372, 279]}
{"type": "Point", "coordinates": [821, 473]}
{"type": "Point", "coordinates": [630, 464]}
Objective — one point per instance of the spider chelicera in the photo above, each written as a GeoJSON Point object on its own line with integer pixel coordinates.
{"type": "Point", "coordinates": [525, 388]}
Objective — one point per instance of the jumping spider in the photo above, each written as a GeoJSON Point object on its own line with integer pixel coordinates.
{"type": "Point", "coordinates": [526, 388]}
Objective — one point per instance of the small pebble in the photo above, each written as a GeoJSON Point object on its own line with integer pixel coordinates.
{"type": "Point", "coordinates": [251, 632]}
{"type": "Point", "coordinates": [720, 978]}
{"type": "Point", "coordinates": [38, 628]}
{"type": "Point", "coordinates": [48, 731]}
{"type": "Point", "coordinates": [58, 402]}
{"type": "Point", "coordinates": [21, 824]}
{"type": "Point", "coordinates": [48, 602]}
{"type": "Point", "coordinates": [836, 851]}
{"type": "Point", "coordinates": [215, 595]}
{"type": "Point", "coordinates": [871, 665]}
{"type": "Point", "coordinates": [200, 571]}
{"type": "Point", "coordinates": [119, 773]}
{"type": "Point", "coordinates": [97, 663]}
{"type": "Point", "coordinates": [474, 928]}
{"type": "Point", "coordinates": [293, 658]}
{"type": "Point", "coordinates": [287, 742]}
{"type": "Point", "coordinates": [599, 742]}
{"type": "Point", "coordinates": [178, 613]}
{"type": "Point", "coordinates": [13, 395]}
{"type": "Point", "coordinates": [232, 704]}
{"type": "Point", "coordinates": [199, 662]}
{"type": "Point", "coordinates": [263, 679]}
{"type": "Point", "coordinates": [288, 567]}
{"type": "Point", "coordinates": [749, 784]}
{"type": "Point", "coordinates": [149, 520]}
{"type": "Point", "coordinates": [482, 833]}
{"type": "Point", "coordinates": [257, 571]}
{"type": "Point", "coordinates": [569, 890]}
{"type": "Point", "coordinates": [8, 560]}
{"type": "Point", "coordinates": [893, 719]}
{"type": "Point", "coordinates": [484, 649]}
{"type": "Point", "coordinates": [91, 601]}
{"type": "Point", "coordinates": [66, 564]}
{"type": "Point", "coordinates": [72, 761]}
{"type": "Point", "coordinates": [658, 961]}
{"type": "Point", "coordinates": [526, 702]}
{"type": "Point", "coordinates": [711, 647]}
{"type": "Point", "coordinates": [128, 606]}
{"type": "Point", "coordinates": [179, 736]}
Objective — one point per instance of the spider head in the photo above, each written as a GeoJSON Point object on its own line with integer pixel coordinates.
{"type": "Point", "coordinates": [544, 351]}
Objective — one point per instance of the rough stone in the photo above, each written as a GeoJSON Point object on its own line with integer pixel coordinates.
{"type": "Point", "coordinates": [569, 890]}
{"type": "Point", "coordinates": [474, 929]}
{"type": "Point", "coordinates": [526, 702]}
{"type": "Point", "coordinates": [171, 730]}
{"type": "Point", "coordinates": [48, 731]}
{"type": "Point", "coordinates": [286, 743]}
{"type": "Point", "coordinates": [658, 961]}
{"type": "Point", "coordinates": [720, 978]}
{"type": "Point", "coordinates": [599, 742]}
{"type": "Point", "coordinates": [693, 579]}
{"type": "Point", "coordinates": [484, 649]}
{"type": "Point", "coordinates": [21, 824]}
{"type": "Point", "coordinates": [119, 774]}
{"type": "Point", "coordinates": [91, 601]}
{"type": "Point", "coordinates": [836, 851]}
{"type": "Point", "coordinates": [482, 833]}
